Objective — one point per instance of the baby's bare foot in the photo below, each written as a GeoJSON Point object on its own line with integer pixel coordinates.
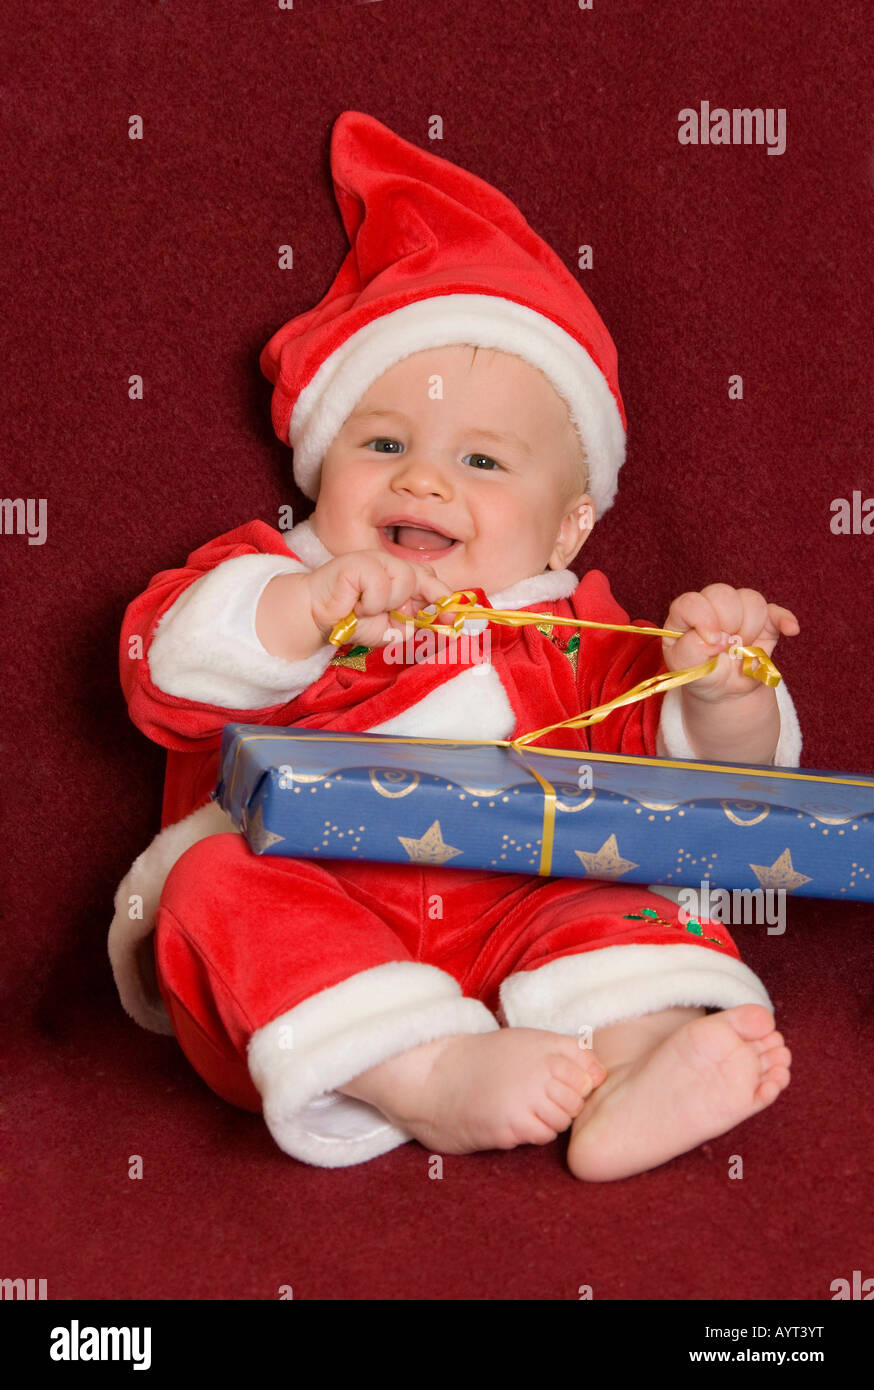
{"type": "Point", "coordinates": [699, 1082]}
{"type": "Point", "coordinates": [483, 1090]}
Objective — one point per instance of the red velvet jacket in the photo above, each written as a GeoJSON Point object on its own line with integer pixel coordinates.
{"type": "Point", "coordinates": [546, 675]}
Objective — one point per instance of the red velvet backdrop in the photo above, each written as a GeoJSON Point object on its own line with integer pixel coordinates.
{"type": "Point", "coordinates": [158, 257]}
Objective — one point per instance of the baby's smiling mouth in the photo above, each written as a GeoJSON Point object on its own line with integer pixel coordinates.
{"type": "Point", "coordinates": [408, 538]}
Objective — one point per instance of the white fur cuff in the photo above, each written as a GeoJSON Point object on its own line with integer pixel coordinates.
{"type": "Point", "coordinates": [206, 647]}
{"type": "Point", "coordinates": [324, 1042]}
{"type": "Point", "coordinates": [605, 986]}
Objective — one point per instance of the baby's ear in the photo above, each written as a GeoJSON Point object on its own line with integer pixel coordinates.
{"type": "Point", "coordinates": [576, 527]}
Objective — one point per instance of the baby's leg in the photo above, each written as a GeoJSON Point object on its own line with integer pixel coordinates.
{"type": "Point", "coordinates": [483, 1091]}
{"type": "Point", "coordinates": [675, 1079]}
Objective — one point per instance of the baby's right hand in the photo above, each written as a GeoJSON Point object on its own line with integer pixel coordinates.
{"type": "Point", "coordinates": [369, 583]}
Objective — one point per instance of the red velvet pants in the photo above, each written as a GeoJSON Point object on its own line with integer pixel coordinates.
{"type": "Point", "coordinates": [243, 939]}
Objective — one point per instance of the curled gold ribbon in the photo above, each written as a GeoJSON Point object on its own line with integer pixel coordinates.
{"type": "Point", "coordinates": [756, 662]}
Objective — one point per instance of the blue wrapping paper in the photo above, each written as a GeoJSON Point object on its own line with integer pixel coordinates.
{"type": "Point", "coordinates": [316, 795]}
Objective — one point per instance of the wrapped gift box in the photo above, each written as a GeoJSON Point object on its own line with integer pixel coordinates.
{"type": "Point", "coordinates": [312, 794]}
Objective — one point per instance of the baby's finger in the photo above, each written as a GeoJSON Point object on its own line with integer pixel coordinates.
{"type": "Point", "coordinates": [431, 586]}
{"type": "Point", "coordinates": [434, 590]}
{"type": "Point", "coordinates": [409, 608]}
{"type": "Point", "coordinates": [377, 631]}
{"type": "Point", "coordinates": [690, 612]}
{"type": "Point", "coordinates": [782, 620]}
{"type": "Point", "coordinates": [407, 584]}
{"type": "Point", "coordinates": [730, 605]}
{"type": "Point", "coordinates": [754, 620]}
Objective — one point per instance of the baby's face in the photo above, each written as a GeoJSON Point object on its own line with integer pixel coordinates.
{"type": "Point", "coordinates": [481, 475]}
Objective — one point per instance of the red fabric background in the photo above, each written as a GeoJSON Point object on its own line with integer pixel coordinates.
{"type": "Point", "coordinates": [159, 257]}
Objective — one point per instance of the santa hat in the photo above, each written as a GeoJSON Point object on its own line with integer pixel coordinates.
{"type": "Point", "coordinates": [437, 257]}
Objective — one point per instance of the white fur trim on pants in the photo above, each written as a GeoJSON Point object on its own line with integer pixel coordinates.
{"type": "Point", "coordinates": [605, 986]}
{"type": "Point", "coordinates": [140, 892]}
{"type": "Point", "coordinates": [296, 1060]}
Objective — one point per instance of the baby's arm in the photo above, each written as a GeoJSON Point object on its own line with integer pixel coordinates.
{"type": "Point", "coordinates": [611, 663]}
{"type": "Point", "coordinates": [190, 660]}
{"type": "Point", "coordinates": [727, 715]}
{"type": "Point", "coordinates": [737, 729]}
{"type": "Point", "coordinates": [242, 630]}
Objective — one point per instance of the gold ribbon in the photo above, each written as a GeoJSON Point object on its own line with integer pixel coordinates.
{"type": "Point", "coordinates": [756, 664]}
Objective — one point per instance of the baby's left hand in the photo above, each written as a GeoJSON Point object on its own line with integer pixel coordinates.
{"type": "Point", "coordinates": [714, 620]}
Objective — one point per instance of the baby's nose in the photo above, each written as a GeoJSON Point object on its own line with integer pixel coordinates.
{"type": "Point", "coordinates": [423, 474]}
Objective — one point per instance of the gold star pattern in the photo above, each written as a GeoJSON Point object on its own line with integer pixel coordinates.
{"type": "Point", "coordinates": [356, 659]}
{"type": "Point", "coordinates": [431, 848]}
{"type": "Point", "coordinates": [259, 837]}
{"type": "Point", "coordinates": [607, 862]}
{"type": "Point", "coordinates": [781, 874]}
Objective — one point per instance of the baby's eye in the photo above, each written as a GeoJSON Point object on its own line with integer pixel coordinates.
{"type": "Point", "coordinates": [383, 440]}
{"type": "Point", "coordinates": [490, 462]}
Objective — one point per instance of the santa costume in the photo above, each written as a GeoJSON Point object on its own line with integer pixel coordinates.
{"type": "Point", "coordinates": [285, 978]}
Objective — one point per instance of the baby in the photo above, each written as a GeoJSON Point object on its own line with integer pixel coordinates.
{"type": "Point", "coordinates": [328, 993]}
{"type": "Point", "coordinates": [414, 515]}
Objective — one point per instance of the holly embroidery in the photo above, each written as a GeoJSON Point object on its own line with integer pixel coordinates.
{"type": "Point", "coordinates": [356, 659]}
{"type": "Point", "coordinates": [644, 913]}
{"type": "Point", "coordinates": [569, 646]}
{"type": "Point", "coordinates": [649, 914]}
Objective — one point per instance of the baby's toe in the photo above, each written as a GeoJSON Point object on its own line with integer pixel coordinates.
{"type": "Point", "coordinates": [772, 1083]}
{"type": "Point", "coordinates": [752, 1021]}
{"type": "Point", "coordinates": [535, 1129]}
{"type": "Point", "coordinates": [777, 1057]}
{"type": "Point", "coordinates": [570, 1098]}
{"type": "Point", "coordinates": [555, 1117]}
{"type": "Point", "coordinates": [580, 1069]}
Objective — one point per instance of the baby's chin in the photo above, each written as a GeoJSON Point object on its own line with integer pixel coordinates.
{"type": "Point", "coordinates": [492, 581]}
{"type": "Point", "coordinates": [458, 571]}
